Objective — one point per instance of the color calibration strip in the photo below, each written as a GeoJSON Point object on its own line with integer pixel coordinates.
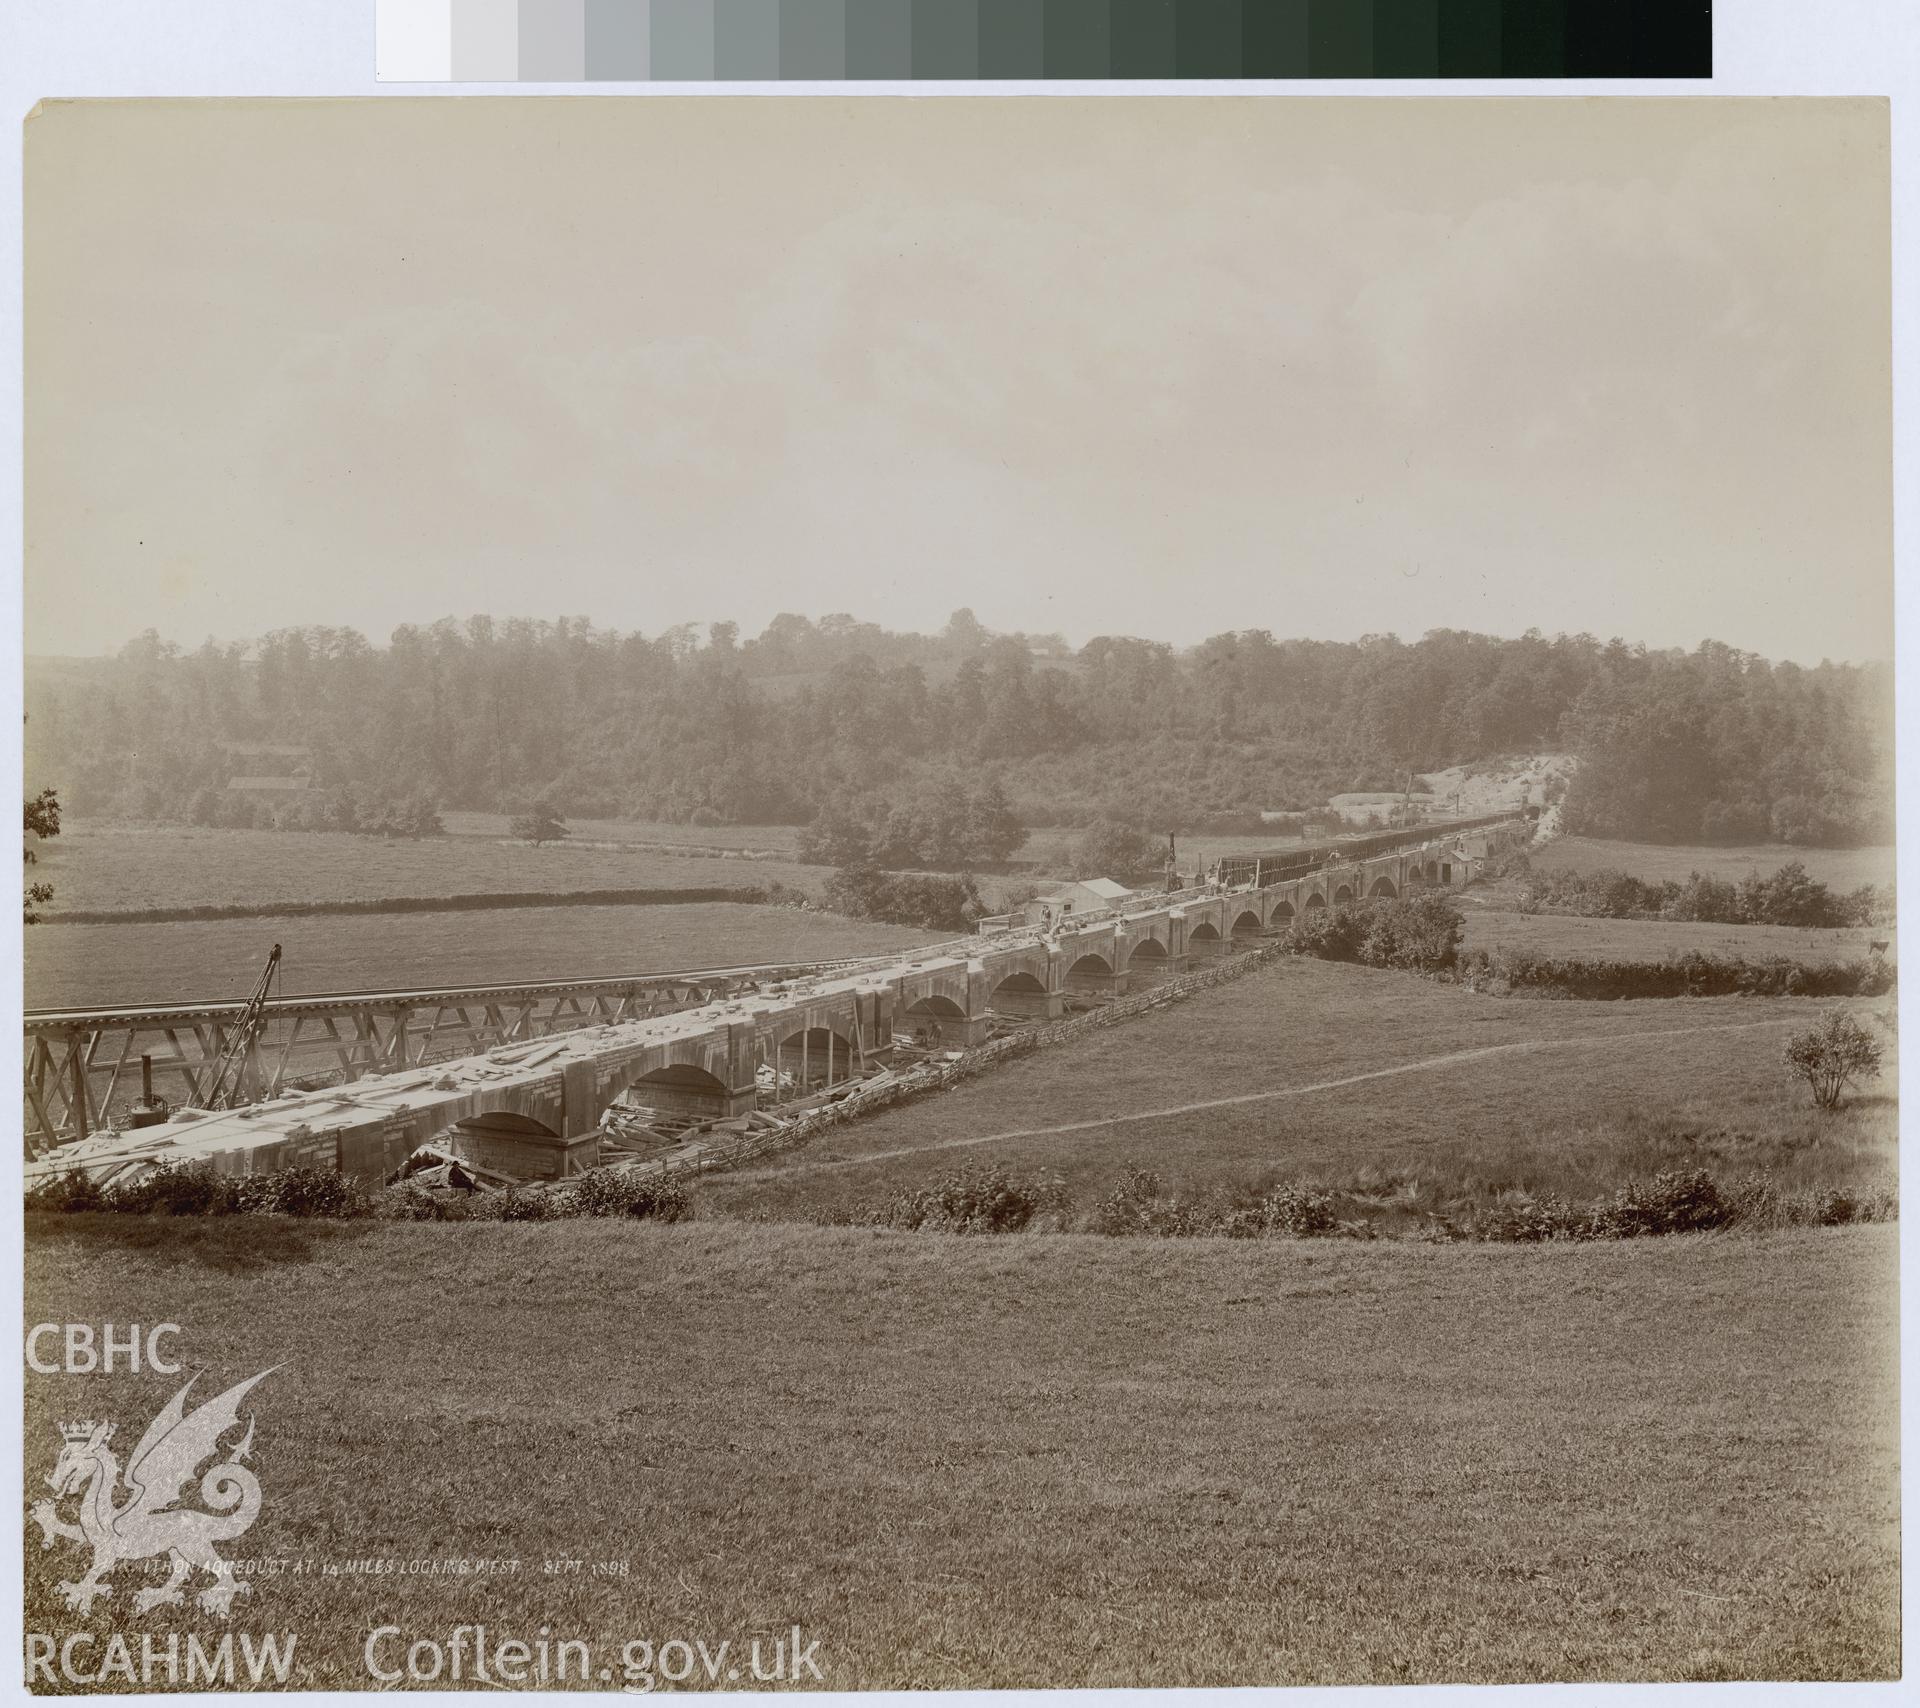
{"type": "Point", "coordinates": [751, 41]}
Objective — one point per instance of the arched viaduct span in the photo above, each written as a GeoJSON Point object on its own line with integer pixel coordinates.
{"type": "Point", "coordinates": [755, 1048]}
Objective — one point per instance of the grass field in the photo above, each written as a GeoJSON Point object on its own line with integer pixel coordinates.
{"type": "Point", "coordinates": [99, 965]}
{"type": "Point", "coordinates": [754, 838]}
{"type": "Point", "coordinates": [1840, 868]}
{"type": "Point", "coordinates": [96, 866]}
{"type": "Point", "coordinates": [1044, 1460]}
{"type": "Point", "coordinates": [1336, 1074]}
{"type": "Point", "coordinates": [1655, 939]}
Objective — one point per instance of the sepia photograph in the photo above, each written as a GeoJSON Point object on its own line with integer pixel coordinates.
{"type": "Point", "coordinates": [871, 893]}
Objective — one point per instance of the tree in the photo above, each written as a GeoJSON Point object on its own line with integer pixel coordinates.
{"type": "Point", "coordinates": [42, 820]}
{"type": "Point", "coordinates": [419, 816]}
{"type": "Point", "coordinates": [1110, 849]}
{"type": "Point", "coordinates": [1789, 897]}
{"type": "Point", "coordinates": [1830, 1056]}
{"type": "Point", "coordinates": [539, 823]}
{"type": "Point", "coordinates": [994, 830]}
{"type": "Point", "coordinates": [1418, 933]}
{"type": "Point", "coordinates": [837, 836]}
{"type": "Point", "coordinates": [904, 898]}
{"type": "Point", "coordinates": [964, 632]}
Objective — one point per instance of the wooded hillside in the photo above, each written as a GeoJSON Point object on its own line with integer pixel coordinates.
{"type": "Point", "coordinates": [484, 714]}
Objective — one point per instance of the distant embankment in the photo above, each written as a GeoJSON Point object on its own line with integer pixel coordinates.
{"type": "Point", "coordinates": [651, 897]}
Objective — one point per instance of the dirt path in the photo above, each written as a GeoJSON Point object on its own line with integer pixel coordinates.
{"type": "Point", "coordinates": [1427, 1064]}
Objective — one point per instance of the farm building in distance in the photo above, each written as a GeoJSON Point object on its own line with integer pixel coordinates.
{"type": "Point", "coordinates": [1084, 895]}
{"type": "Point", "coordinates": [268, 769]}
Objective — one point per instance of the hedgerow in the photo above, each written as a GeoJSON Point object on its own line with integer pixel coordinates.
{"type": "Point", "coordinates": [1691, 973]}
{"type": "Point", "coordinates": [319, 1193]}
{"type": "Point", "coordinates": [973, 1201]}
{"type": "Point", "coordinates": [1676, 1201]}
{"type": "Point", "coordinates": [1789, 897]}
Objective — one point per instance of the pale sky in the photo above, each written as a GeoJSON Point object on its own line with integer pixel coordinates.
{"type": "Point", "coordinates": [1161, 367]}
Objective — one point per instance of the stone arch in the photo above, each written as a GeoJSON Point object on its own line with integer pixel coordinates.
{"type": "Point", "coordinates": [1019, 993]}
{"type": "Point", "coordinates": [513, 1144]}
{"type": "Point", "coordinates": [1031, 965]}
{"type": "Point", "coordinates": [506, 1121]}
{"type": "Point", "coordinates": [1433, 872]}
{"type": "Point", "coordinates": [681, 1088]}
{"type": "Point", "coordinates": [812, 1056]}
{"type": "Point", "coordinates": [935, 1020]}
{"type": "Point", "coordinates": [1147, 961]}
{"type": "Point", "coordinates": [1204, 939]}
{"type": "Point", "coordinates": [1343, 893]}
{"type": "Point", "coordinates": [1383, 889]}
{"type": "Point", "coordinates": [1315, 902]}
{"type": "Point", "coordinates": [1247, 927]}
{"type": "Point", "coordinates": [1282, 915]}
{"type": "Point", "coordinates": [1090, 973]}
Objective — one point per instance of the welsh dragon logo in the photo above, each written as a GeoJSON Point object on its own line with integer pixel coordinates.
{"type": "Point", "coordinates": [151, 1521]}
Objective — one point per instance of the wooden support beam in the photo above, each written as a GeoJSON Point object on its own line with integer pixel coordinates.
{"type": "Point", "coordinates": [113, 1078]}
{"type": "Point", "coordinates": [182, 1063]}
{"type": "Point", "coordinates": [77, 1102]}
{"type": "Point", "coordinates": [49, 1134]}
{"type": "Point", "coordinates": [279, 1077]}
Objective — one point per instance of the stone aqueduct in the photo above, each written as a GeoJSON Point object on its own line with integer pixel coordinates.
{"type": "Point", "coordinates": [754, 1049]}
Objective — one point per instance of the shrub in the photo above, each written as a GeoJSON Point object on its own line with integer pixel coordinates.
{"type": "Point", "coordinates": [75, 1191]}
{"type": "Point", "coordinates": [1832, 1055]}
{"type": "Point", "coordinates": [1673, 1202]}
{"type": "Point", "coordinates": [541, 822]}
{"type": "Point", "coordinates": [522, 1204]}
{"type": "Point", "coordinates": [627, 1192]}
{"type": "Point", "coordinates": [1527, 1221]}
{"type": "Point", "coordinates": [1414, 933]}
{"type": "Point", "coordinates": [1788, 897]}
{"type": "Point", "coordinates": [176, 1190]}
{"type": "Point", "coordinates": [1689, 974]}
{"type": "Point", "coordinates": [309, 1192]}
{"type": "Point", "coordinates": [905, 898]}
{"type": "Point", "coordinates": [974, 1201]}
{"type": "Point", "coordinates": [1138, 1205]}
{"type": "Point", "coordinates": [1298, 1212]}
{"type": "Point", "coordinates": [1331, 933]}
{"type": "Point", "coordinates": [1123, 852]}
{"type": "Point", "coordinates": [409, 1202]}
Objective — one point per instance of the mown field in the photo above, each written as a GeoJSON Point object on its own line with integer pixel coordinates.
{"type": "Point", "coordinates": [1346, 1076]}
{"type": "Point", "coordinates": [754, 838]}
{"type": "Point", "coordinates": [1839, 868]}
{"type": "Point", "coordinates": [100, 965]}
{"type": "Point", "coordinates": [1656, 939]}
{"type": "Point", "coordinates": [99, 866]}
{"type": "Point", "coordinates": [1032, 1461]}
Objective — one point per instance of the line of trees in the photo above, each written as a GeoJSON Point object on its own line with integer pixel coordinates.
{"type": "Point", "coordinates": [1712, 744]}
{"type": "Point", "coordinates": [932, 902]}
{"type": "Point", "coordinates": [350, 808]}
{"type": "Point", "coordinates": [1790, 896]}
{"type": "Point", "coordinates": [942, 823]}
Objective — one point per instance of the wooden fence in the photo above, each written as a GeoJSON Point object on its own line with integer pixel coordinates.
{"type": "Point", "coordinates": [920, 1082]}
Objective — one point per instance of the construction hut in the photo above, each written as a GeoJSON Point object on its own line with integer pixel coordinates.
{"type": "Point", "coordinates": [1082, 896]}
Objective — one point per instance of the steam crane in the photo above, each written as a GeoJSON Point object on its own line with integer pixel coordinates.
{"type": "Point", "coordinates": [228, 1077]}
